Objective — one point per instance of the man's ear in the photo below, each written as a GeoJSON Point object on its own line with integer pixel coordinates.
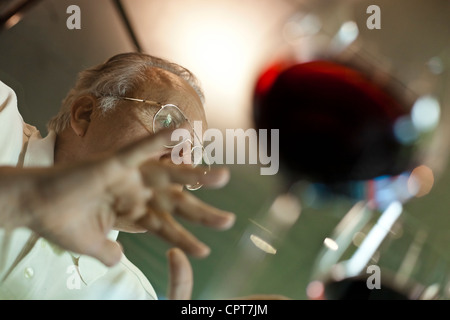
{"type": "Point", "coordinates": [81, 113]}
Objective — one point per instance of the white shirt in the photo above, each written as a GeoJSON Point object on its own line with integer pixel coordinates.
{"type": "Point", "coordinates": [34, 268]}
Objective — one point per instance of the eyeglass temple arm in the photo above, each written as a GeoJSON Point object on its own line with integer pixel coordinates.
{"type": "Point", "coordinates": [139, 100]}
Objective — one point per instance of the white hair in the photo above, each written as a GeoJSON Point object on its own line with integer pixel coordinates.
{"type": "Point", "coordinates": [117, 77]}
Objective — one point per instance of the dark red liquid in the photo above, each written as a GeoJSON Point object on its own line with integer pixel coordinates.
{"type": "Point", "coordinates": [335, 124]}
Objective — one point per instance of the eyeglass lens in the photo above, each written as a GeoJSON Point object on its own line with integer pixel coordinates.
{"type": "Point", "coordinates": [169, 116]}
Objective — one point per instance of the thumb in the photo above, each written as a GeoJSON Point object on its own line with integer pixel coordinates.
{"type": "Point", "coordinates": [108, 252]}
{"type": "Point", "coordinates": [181, 279]}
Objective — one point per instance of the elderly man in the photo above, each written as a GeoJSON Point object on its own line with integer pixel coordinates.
{"type": "Point", "coordinates": [113, 108]}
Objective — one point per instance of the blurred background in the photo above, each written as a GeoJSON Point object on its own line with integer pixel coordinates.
{"type": "Point", "coordinates": [244, 52]}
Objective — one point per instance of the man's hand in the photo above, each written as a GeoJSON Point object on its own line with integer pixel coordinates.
{"type": "Point", "coordinates": [76, 206]}
{"type": "Point", "coordinates": [169, 199]}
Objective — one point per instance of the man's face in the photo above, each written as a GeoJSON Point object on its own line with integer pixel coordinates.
{"type": "Point", "coordinates": [131, 121]}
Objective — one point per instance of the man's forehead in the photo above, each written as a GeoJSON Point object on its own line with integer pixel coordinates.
{"type": "Point", "coordinates": [167, 85]}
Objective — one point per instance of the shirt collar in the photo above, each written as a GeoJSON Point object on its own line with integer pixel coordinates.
{"type": "Point", "coordinates": [40, 151]}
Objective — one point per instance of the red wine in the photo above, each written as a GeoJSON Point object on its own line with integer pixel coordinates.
{"type": "Point", "coordinates": [336, 124]}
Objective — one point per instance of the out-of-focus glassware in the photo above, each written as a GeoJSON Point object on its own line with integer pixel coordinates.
{"type": "Point", "coordinates": [407, 59]}
{"type": "Point", "coordinates": [403, 59]}
{"type": "Point", "coordinates": [375, 254]}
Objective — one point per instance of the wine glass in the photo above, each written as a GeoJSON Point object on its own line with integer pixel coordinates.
{"type": "Point", "coordinates": [380, 254]}
{"type": "Point", "coordinates": [330, 143]}
{"type": "Point", "coordinates": [379, 249]}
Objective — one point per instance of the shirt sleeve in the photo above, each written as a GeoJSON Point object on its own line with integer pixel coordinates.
{"type": "Point", "coordinates": [11, 127]}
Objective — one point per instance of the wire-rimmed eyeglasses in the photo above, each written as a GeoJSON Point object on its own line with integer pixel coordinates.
{"type": "Point", "coordinates": [169, 116]}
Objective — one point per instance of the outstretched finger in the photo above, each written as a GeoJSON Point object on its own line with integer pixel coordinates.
{"type": "Point", "coordinates": [184, 174]}
{"type": "Point", "coordinates": [194, 210]}
{"type": "Point", "coordinates": [167, 228]}
{"type": "Point", "coordinates": [181, 279]}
